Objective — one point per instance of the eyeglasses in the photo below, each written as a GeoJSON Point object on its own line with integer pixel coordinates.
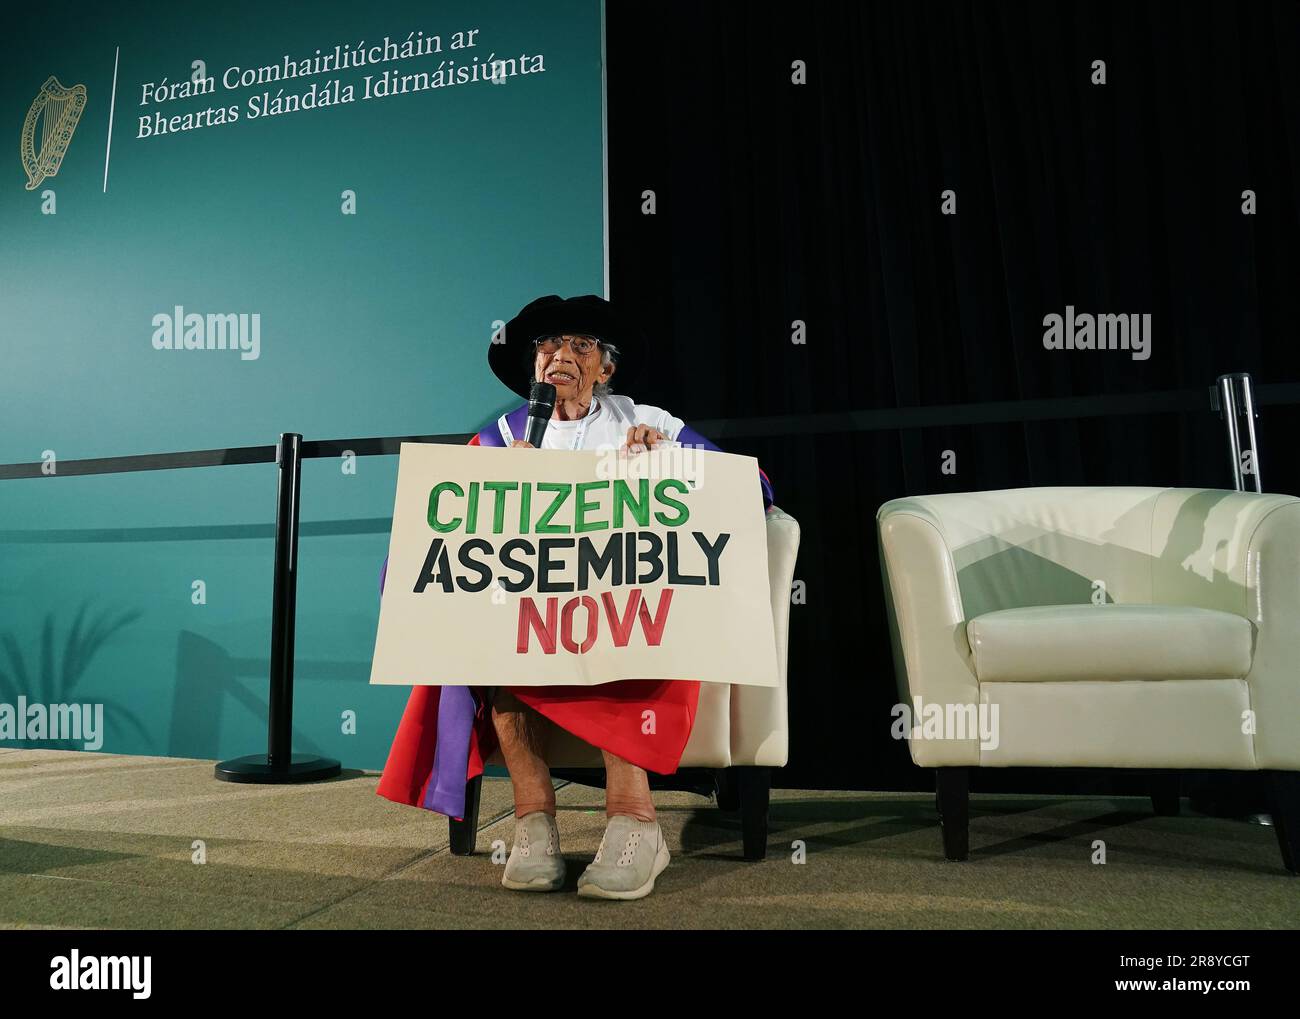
{"type": "Point", "coordinates": [579, 344]}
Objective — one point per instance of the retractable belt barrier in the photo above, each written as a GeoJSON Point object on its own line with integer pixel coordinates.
{"type": "Point", "coordinates": [1233, 396]}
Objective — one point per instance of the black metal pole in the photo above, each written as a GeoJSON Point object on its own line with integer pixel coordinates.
{"type": "Point", "coordinates": [284, 600]}
{"type": "Point", "coordinates": [281, 764]}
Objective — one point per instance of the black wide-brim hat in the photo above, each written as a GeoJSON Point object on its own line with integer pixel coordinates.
{"type": "Point", "coordinates": [512, 360]}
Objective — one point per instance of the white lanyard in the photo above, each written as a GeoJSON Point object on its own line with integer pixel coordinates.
{"type": "Point", "coordinates": [581, 432]}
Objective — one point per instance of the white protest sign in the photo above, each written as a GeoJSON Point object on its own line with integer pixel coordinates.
{"type": "Point", "coordinates": [523, 567]}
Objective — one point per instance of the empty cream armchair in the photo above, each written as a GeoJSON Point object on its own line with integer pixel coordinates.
{"type": "Point", "coordinates": [741, 729]}
{"type": "Point", "coordinates": [1098, 627]}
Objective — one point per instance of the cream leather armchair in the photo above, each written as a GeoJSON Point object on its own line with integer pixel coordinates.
{"type": "Point", "coordinates": [743, 729]}
{"type": "Point", "coordinates": [1152, 628]}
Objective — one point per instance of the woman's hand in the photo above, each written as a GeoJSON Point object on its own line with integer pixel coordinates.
{"type": "Point", "coordinates": [522, 444]}
{"type": "Point", "coordinates": [642, 437]}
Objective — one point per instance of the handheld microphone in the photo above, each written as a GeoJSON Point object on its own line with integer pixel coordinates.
{"type": "Point", "coordinates": [541, 404]}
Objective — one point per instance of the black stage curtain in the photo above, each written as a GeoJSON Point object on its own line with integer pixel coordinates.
{"type": "Point", "coordinates": [821, 202]}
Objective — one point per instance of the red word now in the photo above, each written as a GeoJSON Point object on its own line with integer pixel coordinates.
{"type": "Point", "coordinates": [559, 622]}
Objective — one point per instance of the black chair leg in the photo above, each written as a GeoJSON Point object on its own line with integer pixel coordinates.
{"type": "Point", "coordinates": [1286, 816]}
{"type": "Point", "coordinates": [754, 785]}
{"type": "Point", "coordinates": [464, 833]}
{"type": "Point", "coordinates": [953, 793]}
{"type": "Point", "coordinates": [1166, 790]}
{"type": "Point", "coordinates": [728, 790]}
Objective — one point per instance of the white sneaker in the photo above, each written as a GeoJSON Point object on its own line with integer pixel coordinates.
{"type": "Point", "coordinates": [535, 863]}
{"type": "Point", "coordinates": [641, 857]}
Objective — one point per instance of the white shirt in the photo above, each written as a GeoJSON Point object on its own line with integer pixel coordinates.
{"type": "Point", "coordinates": [606, 424]}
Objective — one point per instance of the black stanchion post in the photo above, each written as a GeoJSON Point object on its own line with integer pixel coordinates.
{"type": "Point", "coordinates": [284, 601]}
{"type": "Point", "coordinates": [280, 764]}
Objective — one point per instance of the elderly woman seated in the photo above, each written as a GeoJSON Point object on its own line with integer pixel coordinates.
{"type": "Point", "coordinates": [446, 733]}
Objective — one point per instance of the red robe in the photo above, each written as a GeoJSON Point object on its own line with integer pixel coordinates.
{"type": "Point", "coordinates": [608, 716]}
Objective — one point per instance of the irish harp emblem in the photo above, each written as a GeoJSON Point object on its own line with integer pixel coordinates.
{"type": "Point", "coordinates": [58, 109]}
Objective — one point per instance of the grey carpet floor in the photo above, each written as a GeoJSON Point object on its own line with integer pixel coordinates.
{"type": "Point", "coordinates": [104, 841]}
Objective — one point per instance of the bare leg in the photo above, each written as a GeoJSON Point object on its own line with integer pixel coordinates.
{"type": "Point", "coordinates": [627, 789]}
{"type": "Point", "coordinates": [522, 733]}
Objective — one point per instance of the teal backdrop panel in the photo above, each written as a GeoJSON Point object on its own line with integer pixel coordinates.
{"type": "Point", "coordinates": [369, 246]}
